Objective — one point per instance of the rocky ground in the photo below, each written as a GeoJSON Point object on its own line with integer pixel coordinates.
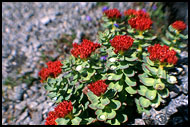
{"type": "Point", "coordinates": [33, 33]}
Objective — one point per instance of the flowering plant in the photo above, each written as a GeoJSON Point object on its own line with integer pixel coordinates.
{"type": "Point", "coordinates": [102, 83]}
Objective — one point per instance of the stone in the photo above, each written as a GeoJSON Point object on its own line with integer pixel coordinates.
{"type": "Point", "coordinates": [33, 105]}
{"type": "Point", "coordinates": [139, 122]}
{"type": "Point", "coordinates": [20, 106]}
{"type": "Point", "coordinates": [45, 20]}
{"type": "Point", "coordinates": [22, 116]}
{"type": "Point", "coordinates": [37, 117]}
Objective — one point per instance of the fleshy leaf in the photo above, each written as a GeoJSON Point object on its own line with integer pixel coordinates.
{"type": "Point", "coordinates": [142, 90]}
{"type": "Point", "coordinates": [156, 101]}
{"type": "Point", "coordinates": [131, 59]}
{"type": "Point", "coordinates": [161, 73]}
{"type": "Point", "coordinates": [105, 101]}
{"type": "Point", "coordinates": [62, 121]}
{"type": "Point", "coordinates": [93, 106]}
{"type": "Point", "coordinates": [130, 81]}
{"type": "Point", "coordinates": [110, 93]}
{"type": "Point", "coordinates": [111, 114]}
{"type": "Point", "coordinates": [151, 94]}
{"type": "Point", "coordinates": [122, 118]}
{"type": "Point", "coordinates": [144, 102]}
{"type": "Point", "coordinates": [115, 104]}
{"type": "Point", "coordinates": [147, 81]}
{"type": "Point", "coordinates": [92, 97]}
{"type": "Point", "coordinates": [102, 116]}
{"type": "Point", "coordinates": [130, 90]}
{"type": "Point", "coordinates": [76, 121]}
{"type": "Point", "coordinates": [129, 72]}
{"type": "Point", "coordinates": [112, 76]}
{"type": "Point", "coordinates": [139, 108]}
{"type": "Point", "coordinates": [164, 93]}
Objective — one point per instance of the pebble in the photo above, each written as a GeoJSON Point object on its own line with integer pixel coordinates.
{"type": "Point", "coordinates": [21, 105]}
{"type": "Point", "coordinates": [32, 105]}
{"type": "Point", "coordinates": [45, 20]}
{"type": "Point", "coordinates": [22, 116]}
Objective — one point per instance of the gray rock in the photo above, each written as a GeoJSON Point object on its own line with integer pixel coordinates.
{"type": "Point", "coordinates": [139, 122]}
{"type": "Point", "coordinates": [45, 20]}
{"type": "Point", "coordinates": [22, 116]}
{"type": "Point", "coordinates": [37, 117]}
{"type": "Point", "coordinates": [32, 105]}
{"type": "Point", "coordinates": [26, 121]}
{"type": "Point", "coordinates": [20, 106]}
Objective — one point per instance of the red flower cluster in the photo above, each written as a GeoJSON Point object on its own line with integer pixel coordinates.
{"type": "Point", "coordinates": [84, 49]}
{"type": "Point", "coordinates": [133, 12]}
{"type": "Point", "coordinates": [179, 25]}
{"type": "Point", "coordinates": [121, 43]}
{"type": "Point", "coordinates": [53, 69]}
{"type": "Point", "coordinates": [162, 53]}
{"type": "Point", "coordinates": [140, 23]}
{"type": "Point", "coordinates": [99, 87]}
{"type": "Point", "coordinates": [113, 13]}
{"type": "Point", "coordinates": [60, 111]}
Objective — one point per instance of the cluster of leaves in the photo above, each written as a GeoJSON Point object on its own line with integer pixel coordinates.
{"type": "Point", "coordinates": [132, 78]}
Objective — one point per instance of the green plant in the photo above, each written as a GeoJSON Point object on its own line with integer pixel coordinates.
{"type": "Point", "coordinates": [100, 81]}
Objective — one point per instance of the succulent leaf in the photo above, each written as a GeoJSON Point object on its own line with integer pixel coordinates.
{"type": "Point", "coordinates": [131, 59]}
{"type": "Point", "coordinates": [105, 101]}
{"type": "Point", "coordinates": [92, 97]}
{"type": "Point", "coordinates": [129, 72]}
{"type": "Point", "coordinates": [164, 93]}
{"type": "Point", "coordinates": [76, 121]}
{"type": "Point", "coordinates": [151, 94]}
{"type": "Point", "coordinates": [114, 104]}
{"type": "Point", "coordinates": [62, 121]}
{"type": "Point", "coordinates": [161, 73]}
{"type": "Point", "coordinates": [130, 81]}
{"type": "Point", "coordinates": [144, 102]}
{"type": "Point", "coordinates": [110, 114]}
{"type": "Point", "coordinates": [147, 81]}
{"type": "Point", "coordinates": [156, 101]}
{"type": "Point", "coordinates": [142, 90]}
{"type": "Point", "coordinates": [112, 76]}
{"type": "Point", "coordinates": [131, 90]}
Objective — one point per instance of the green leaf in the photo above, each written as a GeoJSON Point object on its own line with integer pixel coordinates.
{"type": "Point", "coordinates": [62, 121]}
{"type": "Point", "coordinates": [124, 66]}
{"type": "Point", "coordinates": [90, 73]}
{"type": "Point", "coordinates": [145, 45]}
{"type": "Point", "coordinates": [105, 101]}
{"type": "Point", "coordinates": [169, 35]}
{"type": "Point", "coordinates": [48, 87]}
{"type": "Point", "coordinates": [152, 70]}
{"type": "Point", "coordinates": [148, 61]}
{"type": "Point", "coordinates": [144, 102]}
{"type": "Point", "coordinates": [130, 81]}
{"type": "Point", "coordinates": [159, 85]}
{"type": "Point", "coordinates": [112, 76]}
{"type": "Point", "coordinates": [110, 93]}
{"type": "Point", "coordinates": [150, 38]}
{"type": "Point", "coordinates": [60, 99]}
{"type": "Point", "coordinates": [131, 59]}
{"type": "Point", "coordinates": [100, 106]}
{"type": "Point", "coordinates": [111, 114]}
{"type": "Point", "coordinates": [92, 97]}
{"type": "Point", "coordinates": [164, 93]}
{"type": "Point", "coordinates": [93, 105]}
{"type": "Point", "coordinates": [122, 118]}
{"type": "Point", "coordinates": [151, 94]}
{"type": "Point", "coordinates": [129, 72]}
{"type": "Point", "coordinates": [51, 80]}
{"type": "Point", "coordinates": [156, 101]}
{"type": "Point", "coordinates": [130, 90]}
{"type": "Point", "coordinates": [146, 81]}
{"type": "Point", "coordinates": [161, 73]}
{"type": "Point", "coordinates": [183, 36]}
{"type": "Point", "coordinates": [171, 29]}
{"type": "Point", "coordinates": [99, 111]}
{"type": "Point", "coordinates": [102, 116]}
{"type": "Point", "coordinates": [76, 121]}
{"type": "Point", "coordinates": [165, 41]}
{"type": "Point", "coordinates": [89, 120]}
{"type": "Point", "coordinates": [52, 94]}
{"type": "Point", "coordinates": [139, 108]}
{"type": "Point", "coordinates": [139, 37]}
{"type": "Point", "coordinates": [142, 90]}
{"type": "Point", "coordinates": [114, 104]}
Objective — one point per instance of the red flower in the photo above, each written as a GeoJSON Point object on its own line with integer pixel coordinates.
{"type": "Point", "coordinates": [50, 120]}
{"type": "Point", "coordinates": [84, 49]}
{"type": "Point", "coordinates": [130, 12]}
{"type": "Point", "coordinates": [60, 111]}
{"type": "Point", "coordinates": [99, 87]}
{"type": "Point", "coordinates": [53, 69]}
{"type": "Point", "coordinates": [112, 13]}
{"type": "Point", "coordinates": [121, 43]}
{"type": "Point", "coordinates": [64, 108]}
{"type": "Point", "coordinates": [139, 13]}
{"type": "Point", "coordinates": [179, 25]}
{"type": "Point", "coordinates": [140, 23]}
{"type": "Point", "coordinates": [162, 53]}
